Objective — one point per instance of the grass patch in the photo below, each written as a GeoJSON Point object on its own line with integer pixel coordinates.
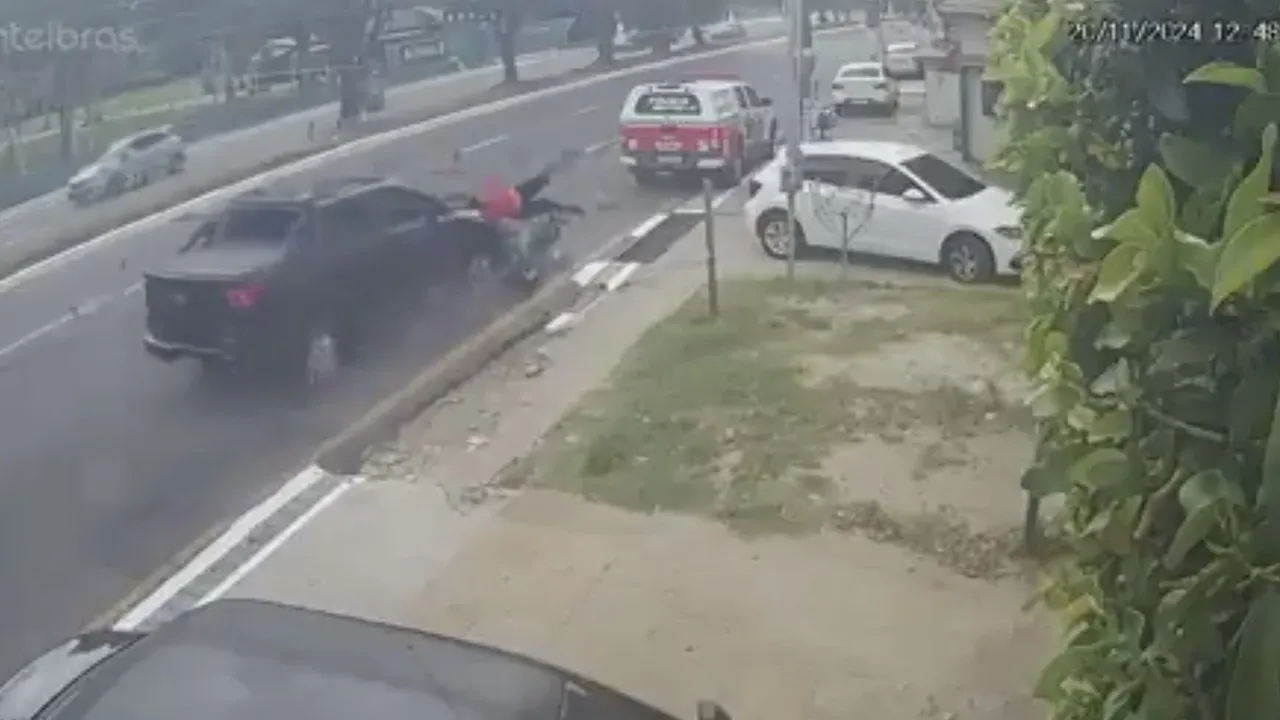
{"type": "Point", "coordinates": [720, 418]}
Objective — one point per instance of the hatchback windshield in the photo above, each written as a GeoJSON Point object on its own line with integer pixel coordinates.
{"type": "Point", "coordinates": [668, 103]}
{"type": "Point", "coordinates": [948, 180]}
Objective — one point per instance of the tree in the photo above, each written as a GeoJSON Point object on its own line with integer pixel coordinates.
{"type": "Point", "coordinates": [1147, 174]}
{"type": "Point", "coordinates": [504, 19]}
{"type": "Point", "coordinates": [601, 16]}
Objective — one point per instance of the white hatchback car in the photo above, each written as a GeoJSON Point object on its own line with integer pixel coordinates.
{"type": "Point", "coordinates": [896, 200]}
{"type": "Point", "coordinates": [865, 84]}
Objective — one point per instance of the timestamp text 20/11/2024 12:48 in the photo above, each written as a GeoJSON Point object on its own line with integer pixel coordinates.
{"type": "Point", "coordinates": [1143, 32]}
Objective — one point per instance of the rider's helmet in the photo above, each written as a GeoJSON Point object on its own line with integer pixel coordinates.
{"type": "Point", "coordinates": [499, 201]}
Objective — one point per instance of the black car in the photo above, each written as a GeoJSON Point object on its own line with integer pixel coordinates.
{"type": "Point", "coordinates": [254, 659]}
{"type": "Point", "coordinates": [287, 282]}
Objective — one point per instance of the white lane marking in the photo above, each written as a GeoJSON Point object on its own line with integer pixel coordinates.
{"type": "Point", "coordinates": [215, 551]}
{"type": "Point", "coordinates": [647, 226]}
{"type": "Point", "coordinates": [484, 143]}
{"type": "Point", "coordinates": [597, 147]}
{"type": "Point", "coordinates": [585, 110]}
{"type": "Point", "coordinates": [697, 205]}
{"type": "Point", "coordinates": [278, 541]}
{"type": "Point", "coordinates": [34, 335]}
{"type": "Point", "coordinates": [89, 307]}
{"type": "Point", "coordinates": [620, 278]}
{"type": "Point", "coordinates": [351, 148]}
{"type": "Point", "coordinates": [588, 272]}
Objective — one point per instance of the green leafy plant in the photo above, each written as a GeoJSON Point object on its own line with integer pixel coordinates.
{"type": "Point", "coordinates": [1152, 271]}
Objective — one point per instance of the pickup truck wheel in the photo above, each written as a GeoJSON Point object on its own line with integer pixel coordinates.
{"type": "Point", "coordinates": [177, 163]}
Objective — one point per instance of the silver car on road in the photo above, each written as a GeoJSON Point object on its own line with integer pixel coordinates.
{"type": "Point", "coordinates": [130, 163]}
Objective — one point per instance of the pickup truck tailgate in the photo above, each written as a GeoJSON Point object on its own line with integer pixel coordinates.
{"type": "Point", "coordinates": [187, 312]}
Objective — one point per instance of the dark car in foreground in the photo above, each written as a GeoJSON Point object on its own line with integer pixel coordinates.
{"type": "Point", "coordinates": [286, 283]}
{"type": "Point", "coordinates": [254, 659]}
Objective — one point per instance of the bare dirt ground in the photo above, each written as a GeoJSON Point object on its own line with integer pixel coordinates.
{"type": "Point", "coordinates": [806, 508]}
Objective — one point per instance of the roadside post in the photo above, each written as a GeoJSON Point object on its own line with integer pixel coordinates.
{"type": "Point", "coordinates": [844, 245]}
{"type": "Point", "coordinates": [792, 174]}
{"type": "Point", "coordinates": [875, 21]}
{"type": "Point", "coordinates": [792, 177]}
{"type": "Point", "coordinates": [709, 234]}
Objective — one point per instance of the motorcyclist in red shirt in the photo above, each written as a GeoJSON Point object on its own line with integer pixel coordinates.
{"type": "Point", "coordinates": [521, 217]}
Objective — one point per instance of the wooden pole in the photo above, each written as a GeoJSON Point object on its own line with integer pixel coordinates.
{"type": "Point", "coordinates": [844, 246]}
{"type": "Point", "coordinates": [709, 234]}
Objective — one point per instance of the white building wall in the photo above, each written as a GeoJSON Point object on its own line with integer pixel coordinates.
{"type": "Point", "coordinates": [941, 97]}
{"type": "Point", "coordinates": [983, 132]}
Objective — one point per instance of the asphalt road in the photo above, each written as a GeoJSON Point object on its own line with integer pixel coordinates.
{"type": "Point", "coordinates": [110, 462]}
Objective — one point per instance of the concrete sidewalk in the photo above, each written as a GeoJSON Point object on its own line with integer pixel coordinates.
{"type": "Point", "coordinates": [666, 607]}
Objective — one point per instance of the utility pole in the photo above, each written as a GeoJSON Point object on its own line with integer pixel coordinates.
{"type": "Point", "coordinates": [801, 47]}
{"type": "Point", "coordinates": [875, 21]}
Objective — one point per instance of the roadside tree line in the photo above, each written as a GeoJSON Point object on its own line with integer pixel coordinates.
{"type": "Point", "coordinates": [336, 40]}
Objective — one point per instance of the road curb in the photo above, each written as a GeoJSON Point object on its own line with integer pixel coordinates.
{"type": "Point", "coordinates": [345, 453]}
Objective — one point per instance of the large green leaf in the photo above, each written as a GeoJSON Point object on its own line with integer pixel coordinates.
{"type": "Point", "coordinates": [1253, 691]}
{"type": "Point", "coordinates": [1132, 228]}
{"type": "Point", "coordinates": [1062, 668]}
{"type": "Point", "coordinates": [1269, 490]}
{"type": "Point", "coordinates": [1209, 488]}
{"type": "Point", "coordinates": [1197, 257]}
{"type": "Point", "coordinates": [1119, 269]}
{"type": "Point", "coordinates": [1193, 530]}
{"type": "Point", "coordinates": [1253, 115]}
{"type": "Point", "coordinates": [1103, 468]}
{"type": "Point", "coordinates": [1201, 498]}
{"type": "Point", "coordinates": [1224, 73]}
{"type": "Point", "coordinates": [1044, 31]}
{"type": "Point", "coordinates": [1156, 200]}
{"type": "Point", "coordinates": [1245, 202]}
{"type": "Point", "coordinates": [1246, 255]}
{"type": "Point", "coordinates": [1192, 162]}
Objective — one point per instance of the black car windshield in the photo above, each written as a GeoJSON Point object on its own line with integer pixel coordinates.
{"type": "Point", "coordinates": [260, 225]}
{"type": "Point", "coordinates": [949, 181]}
{"type": "Point", "coordinates": [668, 103]}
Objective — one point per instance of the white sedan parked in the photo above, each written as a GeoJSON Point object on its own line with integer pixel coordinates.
{"type": "Point", "coordinates": [896, 200]}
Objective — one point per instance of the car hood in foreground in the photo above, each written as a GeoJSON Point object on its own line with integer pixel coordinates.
{"type": "Point", "coordinates": [253, 659]}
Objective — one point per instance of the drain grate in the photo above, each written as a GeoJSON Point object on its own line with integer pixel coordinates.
{"type": "Point", "coordinates": [659, 240]}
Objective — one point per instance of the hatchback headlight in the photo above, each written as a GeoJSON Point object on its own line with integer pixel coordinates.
{"type": "Point", "coordinates": [1010, 232]}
